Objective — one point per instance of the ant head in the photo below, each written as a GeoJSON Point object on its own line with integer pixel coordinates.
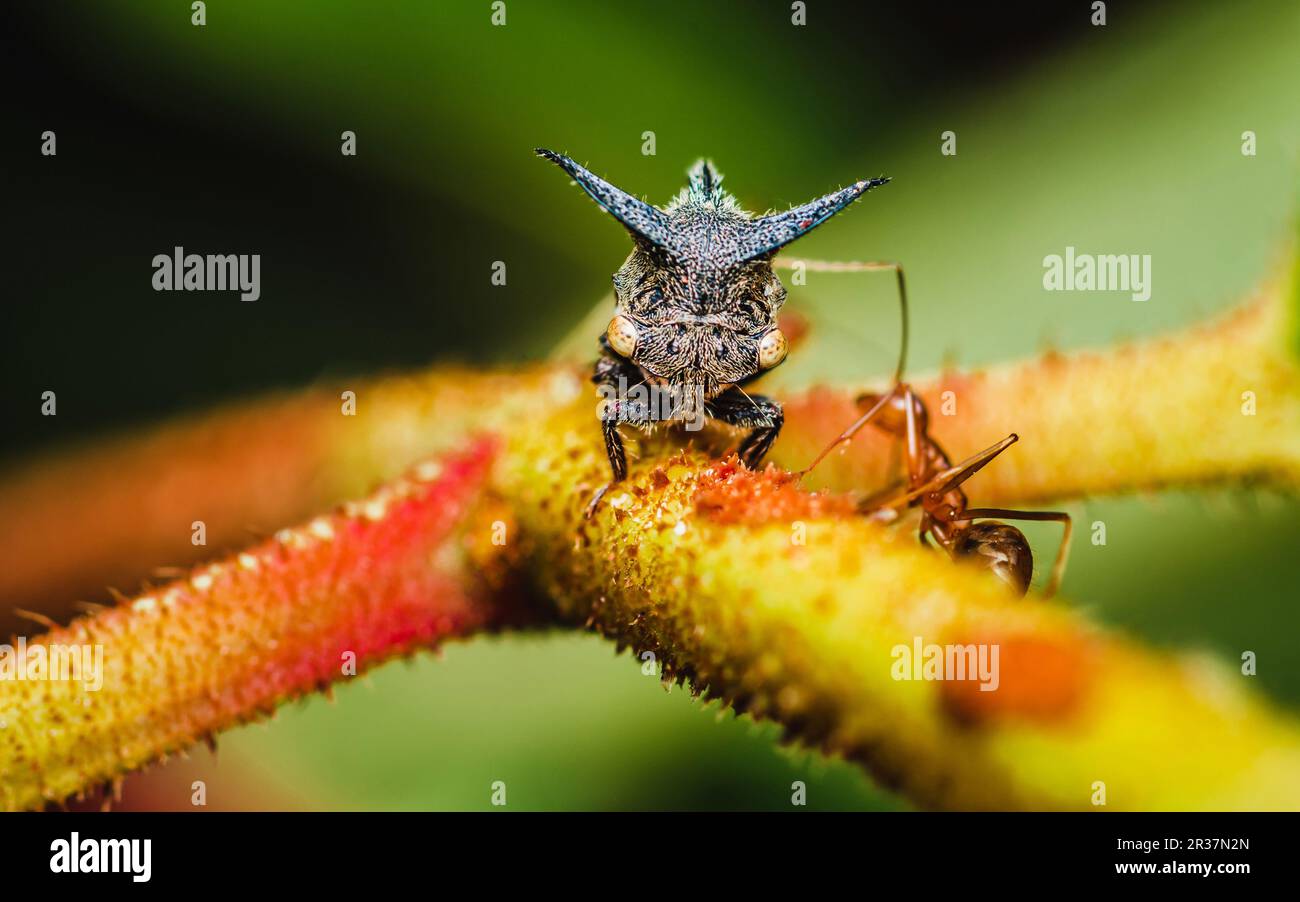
{"type": "Point", "coordinates": [893, 416]}
{"type": "Point", "coordinates": [697, 298]}
{"type": "Point", "coordinates": [1000, 548]}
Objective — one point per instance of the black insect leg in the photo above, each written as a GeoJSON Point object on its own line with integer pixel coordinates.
{"type": "Point", "coordinates": [615, 377]}
{"type": "Point", "coordinates": [736, 408]}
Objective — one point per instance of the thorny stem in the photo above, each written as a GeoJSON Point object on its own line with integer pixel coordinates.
{"type": "Point", "coordinates": [791, 607]}
{"type": "Point", "coordinates": [1162, 412]}
{"type": "Point", "coordinates": [406, 568]}
{"type": "Point", "coordinates": [110, 515]}
{"type": "Point", "coordinates": [691, 559]}
{"type": "Point", "coordinates": [1215, 404]}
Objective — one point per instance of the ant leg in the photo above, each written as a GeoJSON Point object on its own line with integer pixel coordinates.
{"type": "Point", "coordinates": [887, 511]}
{"type": "Point", "coordinates": [1062, 553]}
{"type": "Point", "coordinates": [915, 464]}
{"type": "Point", "coordinates": [737, 408]}
{"type": "Point", "coordinates": [952, 477]}
{"type": "Point", "coordinates": [848, 433]}
{"type": "Point", "coordinates": [872, 501]}
{"type": "Point", "coordinates": [861, 266]}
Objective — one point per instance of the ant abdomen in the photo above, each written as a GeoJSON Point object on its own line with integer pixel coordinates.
{"type": "Point", "coordinates": [1000, 548]}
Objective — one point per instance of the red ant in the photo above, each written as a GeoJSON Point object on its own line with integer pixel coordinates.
{"type": "Point", "coordinates": [933, 482]}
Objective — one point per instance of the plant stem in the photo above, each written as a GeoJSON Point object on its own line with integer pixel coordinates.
{"type": "Point", "coordinates": [407, 568]}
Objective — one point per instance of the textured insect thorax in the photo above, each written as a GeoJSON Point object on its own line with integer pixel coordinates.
{"type": "Point", "coordinates": [699, 311]}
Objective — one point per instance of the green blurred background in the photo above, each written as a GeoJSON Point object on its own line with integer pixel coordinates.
{"type": "Point", "coordinates": [1124, 138]}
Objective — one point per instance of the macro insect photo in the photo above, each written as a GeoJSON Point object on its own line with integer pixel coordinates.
{"type": "Point", "coordinates": [577, 407]}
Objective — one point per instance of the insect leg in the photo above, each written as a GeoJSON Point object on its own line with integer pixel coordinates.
{"type": "Point", "coordinates": [612, 376]}
{"type": "Point", "coordinates": [736, 408]}
{"type": "Point", "coordinates": [860, 266]}
{"type": "Point", "coordinates": [848, 433]}
{"type": "Point", "coordinates": [885, 512]}
{"type": "Point", "coordinates": [1062, 553]}
{"type": "Point", "coordinates": [954, 476]}
{"type": "Point", "coordinates": [873, 501]}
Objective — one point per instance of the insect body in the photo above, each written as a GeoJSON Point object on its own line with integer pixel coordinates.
{"type": "Point", "coordinates": [933, 484]}
{"type": "Point", "coordinates": [696, 306]}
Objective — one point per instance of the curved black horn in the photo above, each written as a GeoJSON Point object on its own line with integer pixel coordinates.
{"type": "Point", "coordinates": [770, 233]}
{"type": "Point", "coordinates": [639, 217]}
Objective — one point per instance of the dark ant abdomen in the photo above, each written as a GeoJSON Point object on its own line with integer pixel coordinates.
{"type": "Point", "coordinates": [1000, 548]}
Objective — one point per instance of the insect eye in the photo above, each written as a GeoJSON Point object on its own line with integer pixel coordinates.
{"type": "Point", "coordinates": [771, 350]}
{"type": "Point", "coordinates": [622, 335]}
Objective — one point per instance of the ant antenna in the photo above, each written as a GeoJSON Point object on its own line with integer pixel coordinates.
{"type": "Point", "coordinates": [904, 338]}
{"type": "Point", "coordinates": [902, 307]}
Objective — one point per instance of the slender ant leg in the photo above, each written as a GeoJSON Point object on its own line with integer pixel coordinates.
{"type": "Point", "coordinates": [858, 266]}
{"type": "Point", "coordinates": [946, 480]}
{"type": "Point", "coordinates": [847, 434]}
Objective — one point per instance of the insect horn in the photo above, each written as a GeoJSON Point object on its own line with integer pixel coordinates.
{"type": "Point", "coordinates": [770, 233]}
{"type": "Point", "coordinates": [705, 181]}
{"type": "Point", "coordinates": [638, 217]}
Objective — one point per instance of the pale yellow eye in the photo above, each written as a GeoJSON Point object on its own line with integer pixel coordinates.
{"type": "Point", "coordinates": [622, 335]}
{"type": "Point", "coordinates": [771, 350]}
